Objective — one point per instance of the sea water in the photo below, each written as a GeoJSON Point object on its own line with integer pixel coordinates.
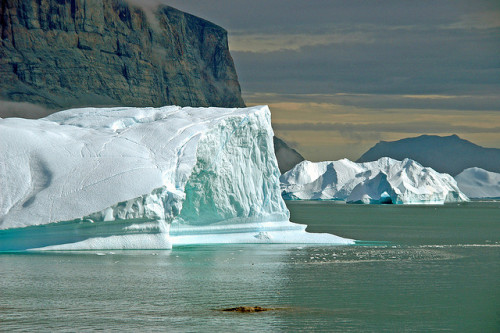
{"type": "Point", "coordinates": [418, 268]}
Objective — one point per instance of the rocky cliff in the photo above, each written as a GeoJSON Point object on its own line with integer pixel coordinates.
{"type": "Point", "coordinates": [287, 156]}
{"type": "Point", "coordinates": [69, 53]}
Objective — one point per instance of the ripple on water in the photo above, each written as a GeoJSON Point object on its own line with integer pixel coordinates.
{"type": "Point", "coordinates": [366, 254]}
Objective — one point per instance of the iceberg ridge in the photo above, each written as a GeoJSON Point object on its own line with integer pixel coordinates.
{"type": "Point", "coordinates": [383, 181]}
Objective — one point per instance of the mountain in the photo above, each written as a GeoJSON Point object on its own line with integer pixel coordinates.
{"type": "Point", "coordinates": [448, 154]}
{"type": "Point", "coordinates": [287, 157]}
{"type": "Point", "coordinates": [70, 53]}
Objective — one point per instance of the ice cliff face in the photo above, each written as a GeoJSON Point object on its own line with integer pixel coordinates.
{"type": "Point", "coordinates": [479, 183]}
{"type": "Point", "coordinates": [69, 53]}
{"type": "Point", "coordinates": [142, 178]}
{"type": "Point", "coordinates": [382, 181]}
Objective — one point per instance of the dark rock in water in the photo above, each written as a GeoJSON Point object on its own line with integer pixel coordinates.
{"type": "Point", "coordinates": [287, 156]}
{"type": "Point", "coordinates": [448, 154]}
{"type": "Point", "coordinates": [247, 309]}
{"type": "Point", "coordinates": [71, 53]}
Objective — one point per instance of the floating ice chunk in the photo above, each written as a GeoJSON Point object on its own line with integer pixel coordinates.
{"type": "Point", "coordinates": [383, 181]}
{"type": "Point", "coordinates": [105, 178]}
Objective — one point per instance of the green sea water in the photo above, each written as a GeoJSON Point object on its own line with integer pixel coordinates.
{"type": "Point", "coordinates": [418, 269]}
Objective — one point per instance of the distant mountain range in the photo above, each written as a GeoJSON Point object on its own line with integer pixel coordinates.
{"type": "Point", "coordinates": [448, 154]}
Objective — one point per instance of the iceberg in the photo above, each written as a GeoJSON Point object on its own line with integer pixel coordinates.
{"type": "Point", "coordinates": [143, 178]}
{"type": "Point", "coordinates": [479, 183]}
{"type": "Point", "coordinates": [383, 181]}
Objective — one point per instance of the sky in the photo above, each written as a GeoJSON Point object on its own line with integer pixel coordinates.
{"type": "Point", "coordinates": [339, 76]}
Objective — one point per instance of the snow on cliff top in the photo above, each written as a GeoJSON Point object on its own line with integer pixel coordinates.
{"type": "Point", "coordinates": [383, 181]}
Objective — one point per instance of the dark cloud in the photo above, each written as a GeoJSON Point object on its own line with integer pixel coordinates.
{"type": "Point", "coordinates": [298, 15]}
{"type": "Point", "coordinates": [417, 62]}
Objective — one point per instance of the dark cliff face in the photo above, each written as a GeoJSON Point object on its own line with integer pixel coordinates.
{"type": "Point", "coordinates": [287, 157]}
{"type": "Point", "coordinates": [69, 53]}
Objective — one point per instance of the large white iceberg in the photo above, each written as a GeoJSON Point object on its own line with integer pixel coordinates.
{"type": "Point", "coordinates": [113, 178]}
{"type": "Point", "coordinates": [383, 181]}
{"type": "Point", "coordinates": [479, 183]}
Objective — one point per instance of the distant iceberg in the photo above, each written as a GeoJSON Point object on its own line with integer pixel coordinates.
{"type": "Point", "coordinates": [143, 178]}
{"type": "Point", "coordinates": [379, 182]}
{"type": "Point", "coordinates": [479, 183]}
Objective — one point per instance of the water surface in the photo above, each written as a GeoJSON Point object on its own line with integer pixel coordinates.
{"type": "Point", "coordinates": [432, 268]}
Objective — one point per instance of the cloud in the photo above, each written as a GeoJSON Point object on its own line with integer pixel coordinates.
{"type": "Point", "coordinates": [149, 7]}
{"type": "Point", "coordinates": [431, 97]}
{"type": "Point", "coordinates": [477, 20]}
{"type": "Point", "coordinates": [265, 43]}
{"type": "Point", "coordinates": [298, 15]}
{"type": "Point", "coordinates": [23, 110]}
{"type": "Point", "coordinates": [412, 127]}
{"type": "Point", "coordinates": [385, 102]}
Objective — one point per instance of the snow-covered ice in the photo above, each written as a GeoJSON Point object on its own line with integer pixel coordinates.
{"type": "Point", "coordinates": [479, 183]}
{"type": "Point", "coordinates": [383, 181]}
{"type": "Point", "coordinates": [113, 178]}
